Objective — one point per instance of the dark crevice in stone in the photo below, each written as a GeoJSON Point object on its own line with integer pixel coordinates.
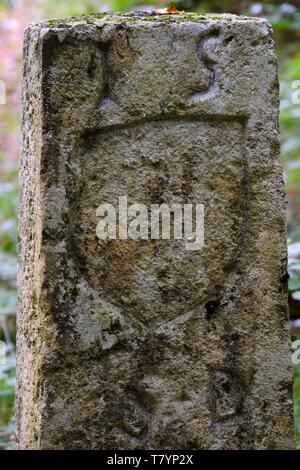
{"type": "Point", "coordinates": [211, 307]}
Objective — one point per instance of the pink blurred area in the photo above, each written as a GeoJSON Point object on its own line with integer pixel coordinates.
{"type": "Point", "coordinates": [14, 18]}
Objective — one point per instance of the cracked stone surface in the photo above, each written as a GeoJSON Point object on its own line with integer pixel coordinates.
{"type": "Point", "coordinates": [131, 344]}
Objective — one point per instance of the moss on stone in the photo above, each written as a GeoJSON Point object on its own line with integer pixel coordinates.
{"type": "Point", "coordinates": [142, 16]}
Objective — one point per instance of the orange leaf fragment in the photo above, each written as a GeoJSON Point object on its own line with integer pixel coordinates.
{"type": "Point", "coordinates": [172, 10]}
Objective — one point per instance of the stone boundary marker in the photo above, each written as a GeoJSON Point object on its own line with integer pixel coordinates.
{"type": "Point", "coordinates": [142, 344]}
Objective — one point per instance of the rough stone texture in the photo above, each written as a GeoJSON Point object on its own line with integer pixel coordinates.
{"type": "Point", "coordinates": [143, 344]}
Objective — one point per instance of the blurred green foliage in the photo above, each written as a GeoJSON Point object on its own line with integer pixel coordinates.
{"type": "Point", "coordinates": [7, 396]}
{"type": "Point", "coordinates": [297, 402]}
{"type": "Point", "coordinates": [14, 16]}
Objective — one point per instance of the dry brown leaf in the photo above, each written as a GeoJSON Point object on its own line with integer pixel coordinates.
{"type": "Point", "coordinates": [172, 10]}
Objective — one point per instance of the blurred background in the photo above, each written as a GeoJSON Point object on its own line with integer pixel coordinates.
{"type": "Point", "coordinates": [15, 15]}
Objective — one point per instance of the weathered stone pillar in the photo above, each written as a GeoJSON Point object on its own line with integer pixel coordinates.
{"type": "Point", "coordinates": [145, 344]}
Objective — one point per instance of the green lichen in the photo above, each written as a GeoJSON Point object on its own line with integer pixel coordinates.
{"type": "Point", "coordinates": [130, 17]}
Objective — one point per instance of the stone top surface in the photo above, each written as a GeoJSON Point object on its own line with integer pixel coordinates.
{"type": "Point", "coordinates": [147, 17]}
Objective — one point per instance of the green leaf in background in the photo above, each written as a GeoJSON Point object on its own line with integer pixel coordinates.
{"type": "Point", "coordinates": [7, 301]}
{"type": "Point", "coordinates": [294, 284]}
